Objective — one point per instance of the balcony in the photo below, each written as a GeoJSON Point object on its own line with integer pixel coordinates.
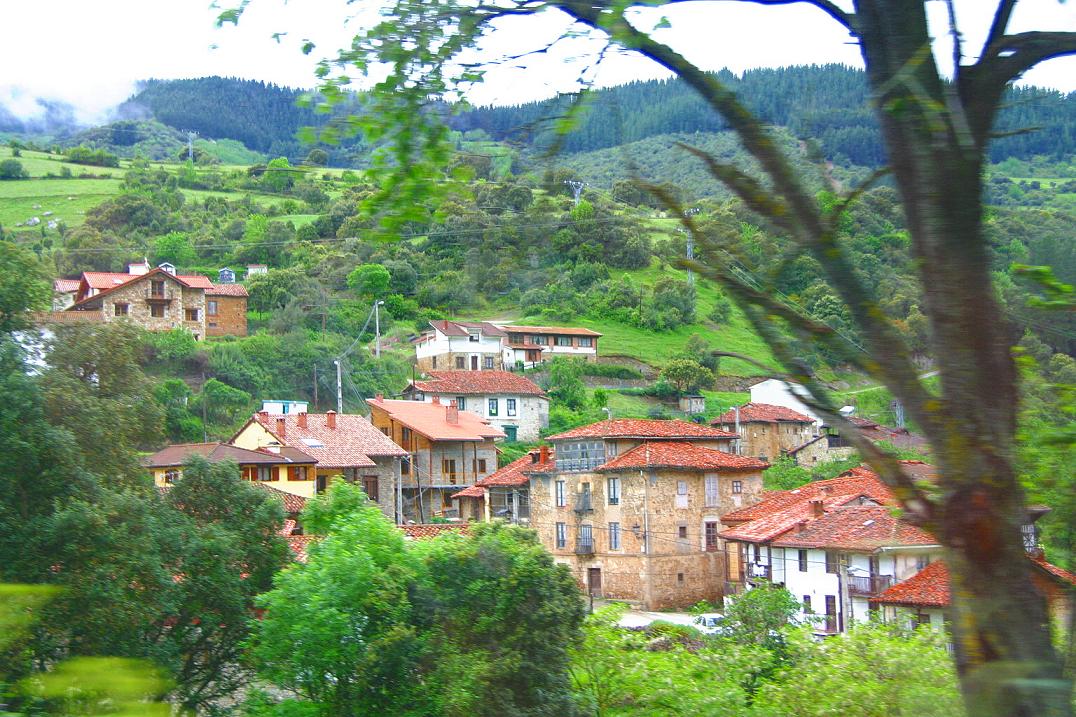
{"type": "Point", "coordinates": [584, 547]}
{"type": "Point", "coordinates": [869, 585]}
{"type": "Point", "coordinates": [583, 503]}
{"type": "Point", "coordinates": [758, 572]}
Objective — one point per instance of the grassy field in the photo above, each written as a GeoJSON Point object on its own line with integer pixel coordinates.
{"type": "Point", "coordinates": [67, 199]}
{"type": "Point", "coordinates": [38, 164]}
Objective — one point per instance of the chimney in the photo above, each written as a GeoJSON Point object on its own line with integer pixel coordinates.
{"type": "Point", "coordinates": [817, 509]}
{"type": "Point", "coordinates": [301, 420]}
{"type": "Point", "coordinates": [380, 397]}
{"type": "Point", "coordinates": [534, 457]}
{"type": "Point", "coordinates": [800, 526]}
{"type": "Point", "coordinates": [330, 419]}
{"type": "Point", "coordinates": [452, 412]}
{"type": "Point", "coordinates": [437, 400]}
{"type": "Point", "coordinates": [280, 427]}
{"type": "Point", "coordinates": [543, 454]}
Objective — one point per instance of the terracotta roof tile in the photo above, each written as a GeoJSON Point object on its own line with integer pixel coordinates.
{"type": "Point", "coordinates": [474, 491]}
{"type": "Point", "coordinates": [927, 588]}
{"type": "Point", "coordinates": [459, 328]}
{"type": "Point", "coordinates": [431, 530]}
{"type": "Point", "coordinates": [288, 527]}
{"type": "Point", "coordinates": [762, 413]}
{"type": "Point", "coordinates": [430, 420]}
{"type": "Point", "coordinates": [478, 382]}
{"type": "Point", "coordinates": [858, 481]}
{"type": "Point", "coordinates": [65, 286]}
{"type": "Point", "coordinates": [293, 504]}
{"type": "Point", "coordinates": [680, 454]}
{"type": "Point", "coordinates": [227, 290]}
{"type": "Point", "coordinates": [349, 445]}
{"type": "Point", "coordinates": [1057, 572]}
{"type": "Point", "coordinates": [562, 330]}
{"type": "Point", "coordinates": [781, 520]}
{"type": "Point", "coordinates": [516, 473]}
{"type": "Point", "coordinates": [643, 428]}
{"type": "Point", "coordinates": [300, 545]}
{"type": "Point", "coordinates": [857, 528]}
{"type": "Point", "coordinates": [178, 454]}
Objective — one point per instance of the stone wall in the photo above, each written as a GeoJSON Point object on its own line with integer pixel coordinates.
{"type": "Point", "coordinates": [231, 316]}
{"type": "Point", "coordinates": [139, 310]}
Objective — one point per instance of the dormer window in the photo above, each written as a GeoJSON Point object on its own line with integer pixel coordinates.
{"type": "Point", "coordinates": [474, 335]}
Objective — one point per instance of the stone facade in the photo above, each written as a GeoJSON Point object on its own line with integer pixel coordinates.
{"type": "Point", "coordinates": [226, 315]}
{"type": "Point", "coordinates": [178, 306]}
{"type": "Point", "coordinates": [680, 567]}
{"type": "Point", "coordinates": [770, 441]}
{"type": "Point", "coordinates": [462, 359]}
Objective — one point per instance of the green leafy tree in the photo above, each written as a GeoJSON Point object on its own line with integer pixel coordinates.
{"type": "Point", "coordinates": [565, 383]}
{"type": "Point", "coordinates": [24, 286]}
{"type": "Point", "coordinates": [686, 375]}
{"type": "Point", "coordinates": [174, 248]}
{"type": "Point", "coordinates": [12, 169]}
{"type": "Point", "coordinates": [369, 280]}
{"type": "Point", "coordinates": [279, 176]}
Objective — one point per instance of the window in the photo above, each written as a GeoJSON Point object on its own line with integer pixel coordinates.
{"type": "Point", "coordinates": [758, 553]}
{"type": "Point", "coordinates": [487, 362]}
{"type": "Point", "coordinates": [586, 342]}
{"type": "Point", "coordinates": [922, 618]}
{"type": "Point", "coordinates": [171, 476]}
{"type": "Point", "coordinates": [156, 311]}
{"type": "Point", "coordinates": [681, 532]}
{"type": "Point", "coordinates": [561, 498]}
{"type": "Point", "coordinates": [710, 531]}
{"type": "Point", "coordinates": [580, 455]}
{"type": "Point", "coordinates": [121, 309]}
{"type": "Point", "coordinates": [807, 604]}
{"type": "Point", "coordinates": [583, 503]}
{"type": "Point", "coordinates": [461, 362]}
{"type": "Point", "coordinates": [831, 562]}
{"type": "Point", "coordinates": [265, 473]}
{"type": "Point", "coordinates": [921, 561]}
{"type": "Point", "coordinates": [297, 473]}
{"type": "Point", "coordinates": [803, 560]}
{"type": "Point", "coordinates": [405, 435]}
{"type": "Point", "coordinates": [211, 307]}
{"type": "Point", "coordinates": [493, 405]}
{"type": "Point", "coordinates": [681, 487]}
{"type": "Point", "coordinates": [510, 405]}
{"type": "Point", "coordinates": [478, 466]}
{"type": "Point", "coordinates": [191, 314]}
{"type": "Point", "coordinates": [156, 288]}
{"type": "Point", "coordinates": [461, 403]}
{"type": "Point", "coordinates": [369, 486]}
{"type": "Point", "coordinates": [474, 336]}
{"type": "Point", "coordinates": [585, 543]}
{"type": "Point", "coordinates": [540, 340]}
{"type": "Point", "coordinates": [435, 362]}
{"type": "Point", "coordinates": [680, 578]}
{"type": "Point", "coordinates": [387, 431]}
{"type": "Point", "coordinates": [613, 490]}
{"type": "Point", "coordinates": [564, 341]}
{"type": "Point", "coordinates": [614, 536]}
{"type": "Point", "coordinates": [405, 466]}
{"type": "Point", "coordinates": [562, 535]}
{"type": "Point", "coordinates": [710, 485]}
{"type": "Point", "coordinates": [448, 469]}
{"type": "Point", "coordinates": [737, 486]}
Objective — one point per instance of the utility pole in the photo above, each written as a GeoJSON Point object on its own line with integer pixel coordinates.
{"type": "Point", "coordinates": [315, 387]}
{"type": "Point", "coordinates": [377, 328]}
{"type": "Point", "coordinates": [190, 144]}
{"type": "Point", "coordinates": [339, 389]}
{"type": "Point", "coordinates": [692, 211]}
{"type": "Point", "coordinates": [577, 188]}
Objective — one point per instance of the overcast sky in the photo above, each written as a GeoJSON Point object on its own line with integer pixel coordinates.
{"type": "Point", "coordinates": [92, 53]}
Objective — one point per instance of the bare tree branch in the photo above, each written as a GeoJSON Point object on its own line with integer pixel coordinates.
{"type": "Point", "coordinates": [1000, 23]}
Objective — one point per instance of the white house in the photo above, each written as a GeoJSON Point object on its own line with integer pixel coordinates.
{"type": "Point", "coordinates": [509, 401]}
{"type": "Point", "coordinates": [460, 345]}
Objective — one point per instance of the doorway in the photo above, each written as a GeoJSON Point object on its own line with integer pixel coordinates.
{"type": "Point", "coordinates": [594, 582]}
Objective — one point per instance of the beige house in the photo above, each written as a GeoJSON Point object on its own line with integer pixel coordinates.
{"type": "Point", "coordinates": [766, 431]}
{"type": "Point", "coordinates": [633, 507]}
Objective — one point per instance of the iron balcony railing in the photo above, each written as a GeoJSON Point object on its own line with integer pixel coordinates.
{"type": "Point", "coordinates": [869, 584]}
{"type": "Point", "coordinates": [584, 546]}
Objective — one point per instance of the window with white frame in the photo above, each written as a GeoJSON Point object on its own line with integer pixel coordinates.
{"type": "Point", "coordinates": [510, 406]}
{"type": "Point", "coordinates": [737, 486]}
{"type": "Point", "coordinates": [613, 490]}
{"type": "Point", "coordinates": [614, 536]}
{"type": "Point", "coordinates": [580, 455]}
{"type": "Point", "coordinates": [487, 362]}
{"type": "Point", "coordinates": [712, 497]}
{"type": "Point", "coordinates": [564, 341]}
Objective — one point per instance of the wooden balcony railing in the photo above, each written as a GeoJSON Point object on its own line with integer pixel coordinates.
{"type": "Point", "coordinates": [869, 584]}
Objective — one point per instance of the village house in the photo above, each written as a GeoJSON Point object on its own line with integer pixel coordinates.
{"type": "Point", "coordinates": [343, 445]}
{"type": "Point", "coordinates": [766, 431]}
{"type": "Point", "coordinates": [460, 345]}
{"type": "Point", "coordinates": [633, 507]}
{"type": "Point", "coordinates": [157, 299]}
{"type": "Point", "coordinates": [449, 449]}
{"type": "Point", "coordinates": [509, 401]}
{"type": "Point", "coordinates": [290, 470]}
{"type": "Point", "coordinates": [505, 493]}
{"type": "Point", "coordinates": [527, 346]}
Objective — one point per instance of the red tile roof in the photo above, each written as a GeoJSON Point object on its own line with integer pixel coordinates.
{"type": "Point", "coordinates": [562, 330]}
{"type": "Point", "coordinates": [783, 519]}
{"type": "Point", "coordinates": [459, 328]}
{"type": "Point", "coordinates": [227, 290]}
{"type": "Point", "coordinates": [516, 473]}
{"type": "Point", "coordinates": [431, 420]}
{"type": "Point", "coordinates": [178, 454]}
{"type": "Point", "coordinates": [683, 455]}
{"type": "Point", "coordinates": [899, 437]}
{"type": "Point", "coordinates": [478, 382]}
{"type": "Point", "coordinates": [106, 282]}
{"type": "Point", "coordinates": [431, 530]}
{"type": "Point", "coordinates": [643, 428]}
{"type": "Point", "coordinates": [293, 504]}
{"type": "Point", "coordinates": [1055, 571]}
{"type": "Point", "coordinates": [927, 588]}
{"type": "Point", "coordinates": [857, 481]}
{"type": "Point", "coordinates": [65, 286]}
{"type": "Point", "coordinates": [349, 445]}
{"type": "Point", "coordinates": [857, 528]}
{"type": "Point", "coordinates": [288, 527]}
{"type": "Point", "coordinates": [762, 413]}
{"type": "Point", "coordinates": [300, 545]}
{"type": "Point", "coordinates": [474, 491]}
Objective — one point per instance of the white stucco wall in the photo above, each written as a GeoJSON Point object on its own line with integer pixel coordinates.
{"type": "Point", "coordinates": [532, 412]}
{"type": "Point", "coordinates": [782, 393]}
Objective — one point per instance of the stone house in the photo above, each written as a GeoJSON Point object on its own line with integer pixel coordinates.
{"type": "Point", "coordinates": [448, 449]}
{"type": "Point", "coordinates": [527, 346]}
{"type": "Point", "coordinates": [633, 507]}
{"type": "Point", "coordinates": [460, 345]}
{"type": "Point", "coordinates": [345, 445]}
{"type": "Point", "coordinates": [226, 310]}
{"type": "Point", "coordinates": [509, 401]}
{"type": "Point", "coordinates": [505, 493]}
{"type": "Point", "coordinates": [766, 431]}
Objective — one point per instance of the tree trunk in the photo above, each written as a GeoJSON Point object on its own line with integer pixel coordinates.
{"type": "Point", "coordinates": [1005, 660]}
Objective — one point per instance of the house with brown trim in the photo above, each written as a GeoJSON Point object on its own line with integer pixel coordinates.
{"type": "Point", "coordinates": [509, 401]}
{"type": "Point", "coordinates": [633, 507]}
{"type": "Point", "coordinates": [448, 449]}
{"type": "Point", "coordinates": [527, 346]}
{"type": "Point", "coordinates": [344, 445]}
{"type": "Point", "coordinates": [505, 493]}
{"type": "Point", "coordinates": [290, 470]}
{"type": "Point", "coordinates": [461, 346]}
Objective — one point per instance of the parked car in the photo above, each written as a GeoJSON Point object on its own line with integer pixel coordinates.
{"type": "Point", "coordinates": [710, 623]}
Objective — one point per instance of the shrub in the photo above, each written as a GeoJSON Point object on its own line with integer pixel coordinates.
{"type": "Point", "coordinates": [12, 169]}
